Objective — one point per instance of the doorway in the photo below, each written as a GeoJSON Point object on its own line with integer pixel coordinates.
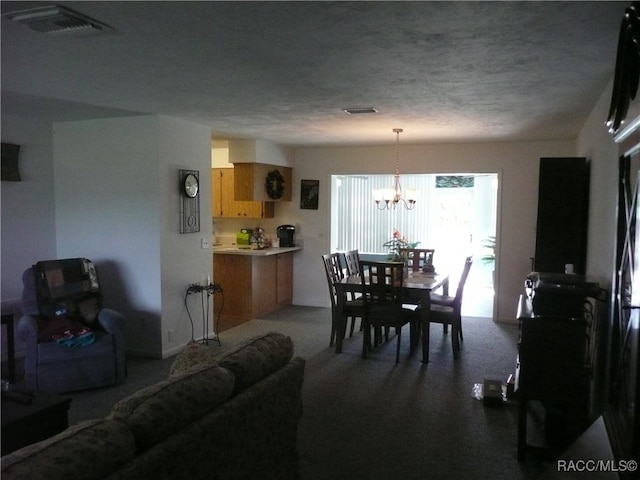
{"type": "Point", "coordinates": [455, 214]}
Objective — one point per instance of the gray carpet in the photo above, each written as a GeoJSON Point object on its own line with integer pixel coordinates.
{"type": "Point", "coordinates": [372, 419]}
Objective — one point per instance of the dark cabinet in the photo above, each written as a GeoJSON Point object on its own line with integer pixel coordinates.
{"type": "Point", "coordinates": [563, 213]}
{"type": "Point", "coordinates": [558, 361]}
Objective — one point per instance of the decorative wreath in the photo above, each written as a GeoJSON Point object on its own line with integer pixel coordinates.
{"type": "Point", "coordinates": [274, 184]}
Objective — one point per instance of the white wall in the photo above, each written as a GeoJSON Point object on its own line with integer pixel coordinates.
{"type": "Point", "coordinates": [28, 211]}
{"type": "Point", "coordinates": [183, 146]}
{"type": "Point", "coordinates": [595, 143]}
{"type": "Point", "coordinates": [516, 163]}
{"type": "Point", "coordinates": [117, 203]}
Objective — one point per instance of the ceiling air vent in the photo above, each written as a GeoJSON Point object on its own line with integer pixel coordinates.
{"type": "Point", "coordinates": [359, 110]}
{"type": "Point", "coordinates": [57, 20]}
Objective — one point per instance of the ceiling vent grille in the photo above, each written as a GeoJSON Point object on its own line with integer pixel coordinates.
{"type": "Point", "coordinates": [55, 19]}
{"type": "Point", "coordinates": [359, 110]}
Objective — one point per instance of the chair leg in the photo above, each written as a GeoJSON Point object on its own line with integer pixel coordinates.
{"type": "Point", "coordinates": [366, 340]}
{"type": "Point", "coordinates": [398, 334]}
{"type": "Point", "coordinates": [455, 339]}
{"type": "Point", "coordinates": [445, 328]}
{"type": "Point", "coordinates": [353, 323]}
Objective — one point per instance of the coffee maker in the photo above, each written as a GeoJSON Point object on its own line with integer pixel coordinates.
{"type": "Point", "coordinates": [285, 234]}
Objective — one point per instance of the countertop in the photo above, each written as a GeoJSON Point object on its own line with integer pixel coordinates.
{"type": "Point", "coordinates": [234, 250]}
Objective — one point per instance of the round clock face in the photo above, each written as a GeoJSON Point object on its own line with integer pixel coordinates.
{"type": "Point", "coordinates": [191, 185]}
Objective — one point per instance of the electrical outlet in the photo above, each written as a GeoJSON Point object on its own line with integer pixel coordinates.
{"type": "Point", "coordinates": [205, 243]}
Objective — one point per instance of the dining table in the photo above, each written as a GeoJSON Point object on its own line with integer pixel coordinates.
{"type": "Point", "coordinates": [419, 283]}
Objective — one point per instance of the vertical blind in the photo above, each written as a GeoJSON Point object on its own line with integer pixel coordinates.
{"type": "Point", "coordinates": [360, 225]}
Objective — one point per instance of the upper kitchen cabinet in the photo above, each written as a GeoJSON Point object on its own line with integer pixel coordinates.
{"type": "Point", "coordinates": [260, 170]}
{"type": "Point", "coordinates": [252, 181]}
{"type": "Point", "coordinates": [223, 203]}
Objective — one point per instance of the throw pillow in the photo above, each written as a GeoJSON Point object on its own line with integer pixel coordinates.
{"type": "Point", "coordinates": [157, 411]}
{"type": "Point", "coordinates": [256, 358]}
{"type": "Point", "coordinates": [193, 354]}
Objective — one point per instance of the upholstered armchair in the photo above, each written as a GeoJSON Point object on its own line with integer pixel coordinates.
{"type": "Point", "coordinates": [85, 358]}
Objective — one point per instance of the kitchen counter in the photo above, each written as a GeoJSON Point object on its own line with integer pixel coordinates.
{"type": "Point", "coordinates": [234, 250]}
{"type": "Point", "coordinates": [253, 282]}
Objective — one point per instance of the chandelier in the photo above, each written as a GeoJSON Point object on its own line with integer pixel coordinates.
{"type": "Point", "coordinates": [388, 198]}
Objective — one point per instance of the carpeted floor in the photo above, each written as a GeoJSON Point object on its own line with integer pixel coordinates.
{"type": "Point", "coordinates": [372, 419]}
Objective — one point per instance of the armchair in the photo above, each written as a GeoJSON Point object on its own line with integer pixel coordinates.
{"type": "Point", "coordinates": [70, 286]}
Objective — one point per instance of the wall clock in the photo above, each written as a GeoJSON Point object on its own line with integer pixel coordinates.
{"type": "Point", "coordinates": [189, 201]}
{"type": "Point", "coordinates": [274, 184]}
{"type": "Point", "coordinates": [191, 185]}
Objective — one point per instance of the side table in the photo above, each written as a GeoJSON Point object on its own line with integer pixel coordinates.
{"type": "Point", "coordinates": [40, 416]}
{"type": "Point", "coordinates": [7, 319]}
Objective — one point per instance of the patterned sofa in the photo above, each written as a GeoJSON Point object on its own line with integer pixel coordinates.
{"type": "Point", "coordinates": [217, 416]}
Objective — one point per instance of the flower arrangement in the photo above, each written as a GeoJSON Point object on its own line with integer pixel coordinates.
{"type": "Point", "coordinates": [397, 243]}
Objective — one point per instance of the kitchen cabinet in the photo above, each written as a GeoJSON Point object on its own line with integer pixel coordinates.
{"type": "Point", "coordinates": [250, 180]}
{"type": "Point", "coordinates": [252, 284]}
{"type": "Point", "coordinates": [224, 204]}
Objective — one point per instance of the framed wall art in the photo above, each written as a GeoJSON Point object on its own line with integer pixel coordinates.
{"type": "Point", "coordinates": [309, 194]}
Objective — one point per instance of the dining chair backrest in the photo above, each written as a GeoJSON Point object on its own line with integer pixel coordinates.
{"type": "Point", "coordinates": [381, 282]}
{"type": "Point", "coordinates": [418, 257]}
{"type": "Point", "coordinates": [352, 262]}
{"type": "Point", "coordinates": [463, 279]}
{"type": "Point", "coordinates": [334, 273]}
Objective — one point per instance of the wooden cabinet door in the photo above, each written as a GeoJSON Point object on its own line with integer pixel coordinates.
{"type": "Point", "coordinates": [263, 290]}
{"type": "Point", "coordinates": [284, 278]}
{"type": "Point", "coordinates": [216, 193]}
{"type": "Point", "coordinates": [223, 203]}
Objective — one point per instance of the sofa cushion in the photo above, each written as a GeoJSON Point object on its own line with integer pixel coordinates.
{"type": "Point", "coordinates": [193, 354]}
{"type": "Point", "coordinates": [254, 359]}
{"type": "Point", "coordinates": [87, 450]}
{"type": "Point", "coordinates": [157, 411]}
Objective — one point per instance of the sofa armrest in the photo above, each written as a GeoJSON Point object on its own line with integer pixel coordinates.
{"type": "Point", "coordinates": [28, 329]}
{"type": "Point", "coordinates": [113, 322]}
{"type": "Point", "coordinates": [27, 333]}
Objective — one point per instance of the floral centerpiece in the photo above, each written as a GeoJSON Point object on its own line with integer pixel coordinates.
{"type": "Point", "coordinates": [396, 244]}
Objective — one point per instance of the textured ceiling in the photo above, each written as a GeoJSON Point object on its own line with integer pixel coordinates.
{"type": "Point", "coordinates": [283, 71]}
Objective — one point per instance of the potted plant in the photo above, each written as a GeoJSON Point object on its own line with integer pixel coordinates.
{"type": "Point", "coordinates": [489, 244]}
{"type": "Point", "coordinates": [396, 244]}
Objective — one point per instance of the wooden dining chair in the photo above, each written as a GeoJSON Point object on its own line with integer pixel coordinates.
{"type": "Point", "coordinates": [352, 263]}
{"type": "Point", "coordinates": [383, 307]}
{"type": "Point", "coordinates": [418, 258]}
{"type": "Point", "coordinates": [447, 310]}
{"type": "Point", "coordinates": [353, 308]}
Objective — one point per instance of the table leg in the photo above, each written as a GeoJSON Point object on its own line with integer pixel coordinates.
{"type": "Point", "coordinates": [339, 326]}
{"type": "Point", "coordinates": [425, 306]}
